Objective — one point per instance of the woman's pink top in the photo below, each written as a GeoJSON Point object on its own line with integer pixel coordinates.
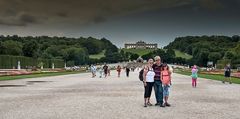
{"type": "Point", "coordinates": [166, 77]}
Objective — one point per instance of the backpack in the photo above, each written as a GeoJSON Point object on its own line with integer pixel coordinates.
{"type": "Point", "coordinates": [141, 74]}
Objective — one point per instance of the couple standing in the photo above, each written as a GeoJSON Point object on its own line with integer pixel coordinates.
{"type": "Point", "coordinates": [156, 75]}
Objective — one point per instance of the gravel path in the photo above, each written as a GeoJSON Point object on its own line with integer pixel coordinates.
{"type": "Point", "coordinates": [79, 97]}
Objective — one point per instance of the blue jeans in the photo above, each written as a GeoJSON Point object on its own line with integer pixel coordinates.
{"type": "Point", "coordinates": [158, 91]}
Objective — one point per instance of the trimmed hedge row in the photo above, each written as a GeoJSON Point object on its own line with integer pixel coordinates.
{"type": "Point", "coordinates": [10, 62]}
{"type": "Point", "coordinates": [222, 63]}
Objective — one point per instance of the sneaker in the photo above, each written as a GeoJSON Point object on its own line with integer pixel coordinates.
{"type": "Point", "coordinates": [162, 105]}
{"type": "Point", "coordinates": [157, 104]}
{"type": "Point", "coordinates": [167, 104]}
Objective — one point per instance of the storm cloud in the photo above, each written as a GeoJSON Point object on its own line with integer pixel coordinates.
{"type": "Point", "coordinates": [120, 20]}
{"type": "Point", "coordinates": [24, 12]}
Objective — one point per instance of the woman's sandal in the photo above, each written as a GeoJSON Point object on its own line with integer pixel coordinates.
{"type": "Point", "coordinates": [145, 104]}
{"type": "Point", "coordinates": [149, 104]}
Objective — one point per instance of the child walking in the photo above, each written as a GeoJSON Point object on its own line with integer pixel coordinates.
{"type": "Point", "coordinates": [194, 76]}
{"type": "Point", "coordinates": [166, 81]}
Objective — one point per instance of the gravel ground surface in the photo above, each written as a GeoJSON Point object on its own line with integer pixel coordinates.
{"type": "Point", "coordinates": [78, 96]}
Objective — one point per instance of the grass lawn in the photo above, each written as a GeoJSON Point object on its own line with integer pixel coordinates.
{"type": "Point", "coordinates": [210, 76]}
{"type": "Point", "coordinates": [97, 56]}
{"type": "Point", "coordinates": [36, 75]}
{"type": "Point", "coordinates": [183, 55]}
{"type": "Point", "coordinates": [140, 52]}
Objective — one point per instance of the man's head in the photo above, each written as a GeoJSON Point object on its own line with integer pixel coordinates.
{"type": "Point", "coordinates": [228, 65]}
{"type": "Point", "coordinates": [157, 59]}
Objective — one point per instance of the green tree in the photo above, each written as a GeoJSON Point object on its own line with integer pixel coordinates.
{"type": "Point", "coordinates": [78, 55]}
{"type": "Point", "coordinates": [214, 56]}
{"type": "Point", "coordinates": [54, 51]}
{"type": "Point", "coordinates": [12, 48]}
{"type": "Point", "coordinates": [30, 48]}
{"type": "Point", "coordinates": [134, 56]}
{"type": "Point", "coordinates": [228, 55]}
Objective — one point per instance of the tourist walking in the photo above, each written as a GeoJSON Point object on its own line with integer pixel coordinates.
{"type": "Point", "coordinates": [148, 80]}
{"type": "Point", "coordinates": [127, 71]}
{"type": "Point", "coordinates": [105, 69]}
{"type": "Point", "coordinates": [157, 66]}
{"type": "Point", "coordinates": [109, 70]}
{"type": "Point", "coordinates": [93, 70]}
{"type": "Point", "coordinates": [100, 72]}
{"type": "Point", "coordinates": [119, 70]}
{"type": "Point", "coordinates": [166, 81]}
{"type": "Point", "coordinates": [194, 76]}
{"type": "Point", "coordinates": [227, 74]}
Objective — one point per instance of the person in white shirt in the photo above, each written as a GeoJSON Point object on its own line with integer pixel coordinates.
{"type": "Point", "coordinates": [93, 70]}
{"type": "Point", "coordinates": [148, 80]}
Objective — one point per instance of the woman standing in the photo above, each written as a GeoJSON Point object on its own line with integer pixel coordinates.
{"type": "Point", "coordinates": [227, 74]}
{"type": "Point", "coordinates": [119, 70]}
{"type": "Point", "coordinates": [148, 80]}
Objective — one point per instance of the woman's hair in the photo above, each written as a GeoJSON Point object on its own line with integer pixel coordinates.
{"type": "Point", "coordinates": [150, 59]}
{"type": "Point", "coordinates": [165, 65]}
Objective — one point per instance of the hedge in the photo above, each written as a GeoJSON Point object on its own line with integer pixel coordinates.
{"type": "Point", "coordinates": [10, 62]}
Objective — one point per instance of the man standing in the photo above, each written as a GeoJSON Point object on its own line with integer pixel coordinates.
{"type": "Point", "coordinates": [127, 71]}
{"type": "Point", "coordinates": [227, 74]}
{"type": "Point", "coordinates": [157, 81]}
{"type": "Point", "coordinates": [105, 69]}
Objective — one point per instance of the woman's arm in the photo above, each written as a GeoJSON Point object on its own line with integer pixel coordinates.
{"type": "Point", "coordinates": [170, 75]}
{"type": "Point", "coordinates": [170, 78]}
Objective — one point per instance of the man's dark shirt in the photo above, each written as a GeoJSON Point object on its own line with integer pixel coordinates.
{"type": "Point", "coordinates": [157, 70]}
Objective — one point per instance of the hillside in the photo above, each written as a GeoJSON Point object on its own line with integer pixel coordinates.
{"type": "Point", "coordinates": [208, 48]}
{"type": "Point", "coordinates": [182, 54]}
{"type": "Point", "coordinates": [97, 56]}
{"type": "Point", "coordinates": [142, 52]}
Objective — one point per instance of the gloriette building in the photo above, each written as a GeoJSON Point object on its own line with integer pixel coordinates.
{"type": "Point", "coordinates": [140, 45]}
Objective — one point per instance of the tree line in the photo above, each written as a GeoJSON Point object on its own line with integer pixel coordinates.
{"type": "Point", "coordinates": [167, 56]}
{"type": "Point", "coordinates": [74, 51]}
{"type": "Point", "coordinates": [208, 48]}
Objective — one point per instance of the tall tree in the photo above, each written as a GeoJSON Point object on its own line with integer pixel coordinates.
{"type": "Point", "coordinates": [12, 48]}
{"type": "Point", "coordinates": [30, 48]}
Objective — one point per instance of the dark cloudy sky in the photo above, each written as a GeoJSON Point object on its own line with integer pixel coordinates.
{"type": "Point", "coordinates": [154, 21]}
